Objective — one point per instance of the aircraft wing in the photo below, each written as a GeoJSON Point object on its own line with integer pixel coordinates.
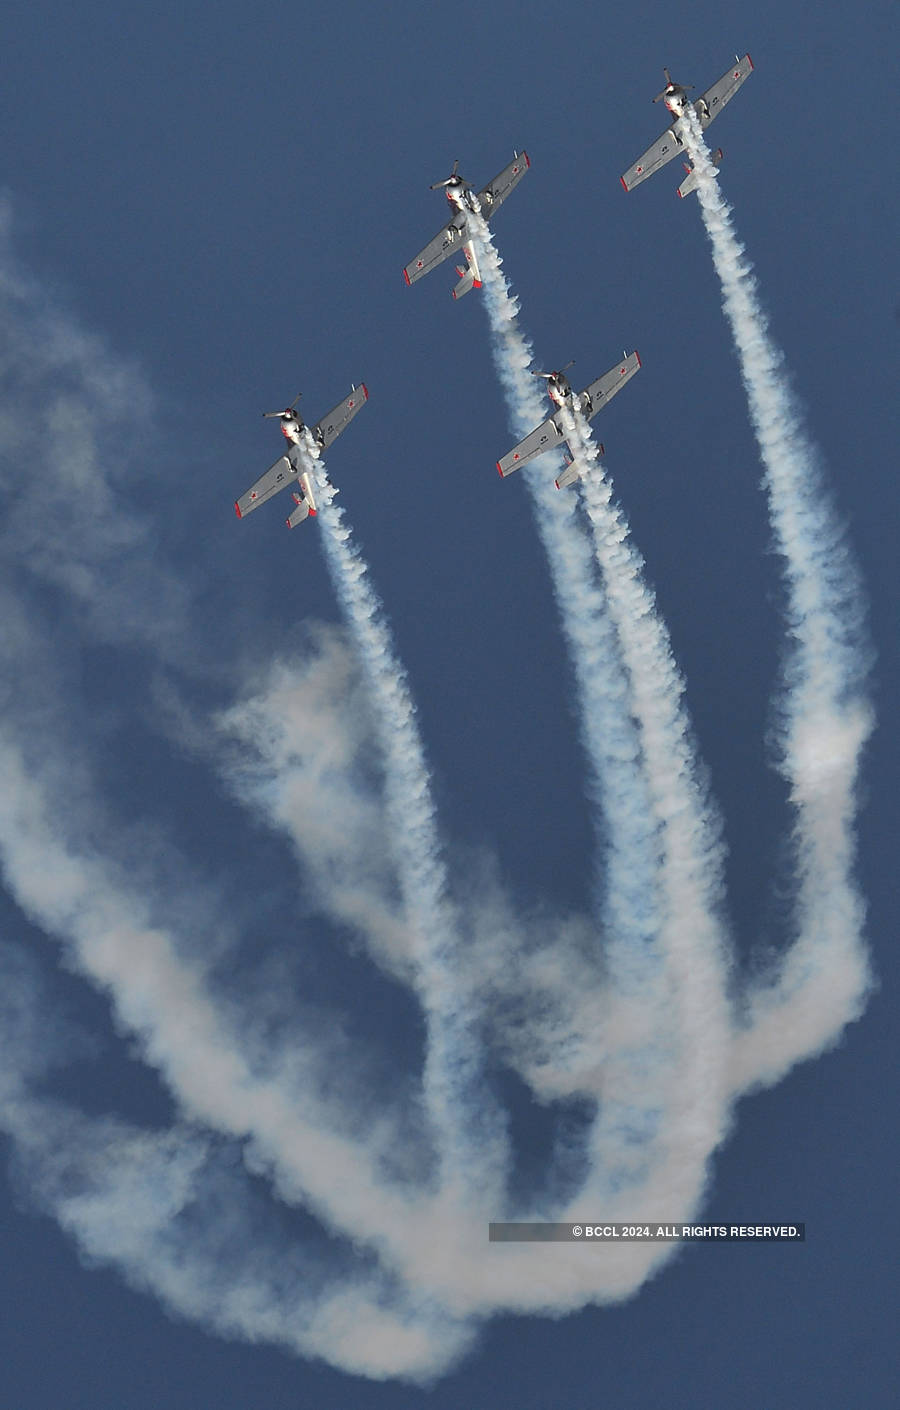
{"type": "Point", "coordinates": [282, 473]}
{"type": "Point", "coordinates": [544, 437]}
{"type": "Point", "coordinates": [497, 190]}
{"type": "Point", "coordinates": [443, 244]}
{"type": "Point", "coordinates": [330, 427]}
{"type": "Point", "coordinates": [714, 99]}
{"type": "Point", "coordinates": [605, 387]}
{"type": "Point", "coordinates": [655, 157]}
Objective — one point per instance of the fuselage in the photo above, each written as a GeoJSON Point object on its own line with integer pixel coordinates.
{"type": "Point", "coordinates": [295, 430]}
{"type": "Point", "coordinates": [291, 427]}
{"type": "Point", "coordinates": [559, 388]}
{"type": "Point", "coordinates": [461, 196]}
{"type": "Point", "coordinates": [676, 99]}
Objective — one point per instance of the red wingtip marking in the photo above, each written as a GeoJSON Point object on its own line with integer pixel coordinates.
{"type": "Point", "coordinates": [313, 512]}
{"type": "Point", "coordinates": [476, 283]}
{"type": "Point", "coordinates": [406, 276]}
{"type": "Point", "coordinates": [365, 390]}
{"type": "Point", "coordinates": [638, 356]}
{"type": "Point", "coordinates": [237, 510]}
{"type": "Point", "coordinates": [556, 483]}
{"type": "Point", "coordinates": [499, 471]}
{"type": "Point", "coordinates": [289, 524]}
{"type": "Point", "coordinates": [749, 61]}
{"type": "Point", "coordinates": [527, 159]}
{"type": "Point", "coordinates": [624, 187]}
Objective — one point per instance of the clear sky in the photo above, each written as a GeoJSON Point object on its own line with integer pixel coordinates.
{"type": "Point", "coordinates": [206, 210]}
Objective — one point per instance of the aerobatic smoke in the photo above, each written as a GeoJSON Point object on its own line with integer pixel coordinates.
{"type": "Point", "coordinates": [690, 872]}
{"type": "Point", "coordinates": [822, 981]}
{"type": "Point", "coordinates": [467, 1128]}
{"type": "Point", "coordinates": [610, 741]}
{"type": "Point", "coordinates": [634, 669]}
{"type": "Point", "coordinates": [303, 1187]}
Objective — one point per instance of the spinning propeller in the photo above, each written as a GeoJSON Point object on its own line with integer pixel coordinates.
{"type": "Point", "coordinates": [288, 409]}
{"type": "Point", "coordinates": [671, 87]}
{"type": "Point", "coordinates": [452, 179]}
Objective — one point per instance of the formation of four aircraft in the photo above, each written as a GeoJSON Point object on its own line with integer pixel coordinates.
{"type": "Point", "coordinates": [305, 443]}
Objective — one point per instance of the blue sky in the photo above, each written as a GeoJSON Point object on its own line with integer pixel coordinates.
{"type": "Point", "coordinates": [208, 213]}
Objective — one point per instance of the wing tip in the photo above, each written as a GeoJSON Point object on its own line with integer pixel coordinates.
{"type": "Point", "coordinates": [638, 356]}
{"type": "Point", "coordinates": [749, 60]}
{"type": "Point", "coordinates": [406, 277]}
{"type": "Point", "coordinates": [237, 510]}
{"type": "Point", "coordinates": [499, 469]}
{"type": "Point", "coordinates": [365, 390]}
{"type": "Point", "coordinates": [528, 159]}
{"type": "Point", "coordinates": [624, 186]}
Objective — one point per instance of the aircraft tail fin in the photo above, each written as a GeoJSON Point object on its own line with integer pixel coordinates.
{"type": "Point", "coordinates": [689, 183]}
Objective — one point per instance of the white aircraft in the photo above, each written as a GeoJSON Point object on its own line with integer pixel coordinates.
{"type": "Point", "coordinates": [305, 443]}
{"type": "Point", "coordinates": [551, 433]}
{"type": "Point", "coordinates": [706, 108]}
{"type": "Point", "coordinates": [463, 202]}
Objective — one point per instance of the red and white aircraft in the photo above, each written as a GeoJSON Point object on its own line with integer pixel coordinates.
{"type": "Point", "coordinates": [305, 444]}
{"type": "Point", "coordinates": [706, 109]}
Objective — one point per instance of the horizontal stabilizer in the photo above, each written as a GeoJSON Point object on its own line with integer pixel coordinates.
{"type": "Point", "coordinates": [300, 513]}
{"type": "Point", "coordinates": [689, 183]}
{"type": "Point", "coordinates": [568, 476]}
{"type": "Point", "coordinates": [467, 282]}
{"type": "Point", "coordinates": [574, 470]}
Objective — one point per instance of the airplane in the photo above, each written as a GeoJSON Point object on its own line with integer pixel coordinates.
{"type": "Point", "coordinates": [551, 432]}
{"type": "Point", "coordinates": [454, 235]}
{"type": "Point", "coordinates": [706, 108]}
{"type": "Point", "coordinates": [304, 442]}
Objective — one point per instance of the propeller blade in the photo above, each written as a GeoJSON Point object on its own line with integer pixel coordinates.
{"type": "Point", "coordinates": [548, 375]}
{"type": "Point", "coordinates": [288, 408]}
{"type": "Point", "coordinates": [454, 175]}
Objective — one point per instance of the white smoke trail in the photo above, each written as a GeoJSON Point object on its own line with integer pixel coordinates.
{"type": "Point", "coordinates": [690, 873]}
{"type": "Point", "coordinates": [299, 1110]}
{"type": "Point", "coordinates": [468, 1128]}
{"type": "Point", "coordinates": [612, 747]}
{"type": "Point", "coordinates": [656, 796]}
{"type": "Point", "coordinates": [174, 1212]}
{"type": "Point", "coordinates": [822, 981]}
